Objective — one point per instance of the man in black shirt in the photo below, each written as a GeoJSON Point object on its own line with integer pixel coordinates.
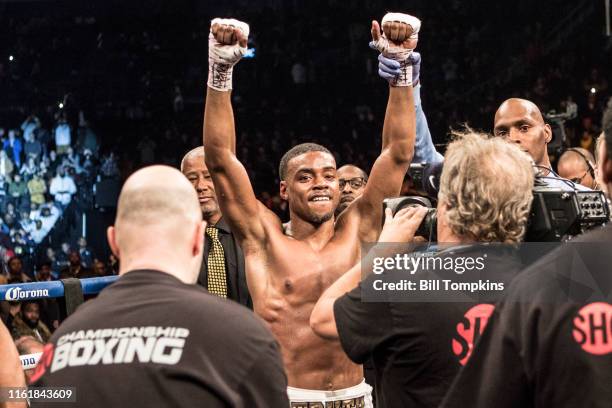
{"type": "Point", "coordinates": [232, 271]}
{"type": "Point", "coordinates": [549, 342]}
{"type": "Point", "coordinates": [154, 338]}
{"type": "Point", "coordinates": [418, 344]}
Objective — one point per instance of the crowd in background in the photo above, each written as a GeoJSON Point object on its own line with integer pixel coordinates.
{"type": "Point", "coordinates": [95, 93]}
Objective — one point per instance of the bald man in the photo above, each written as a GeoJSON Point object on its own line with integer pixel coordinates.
{"type": "Point", "coordinates": [520, 121]}
{"type": "Point", "coordinates": [578, 165]}
{"type": "Point", "coordinates": [11, 374]}
{"type": "Point", "coordinates": [219, 243]}
{"type": "Point", "coordinates": [154, 338]}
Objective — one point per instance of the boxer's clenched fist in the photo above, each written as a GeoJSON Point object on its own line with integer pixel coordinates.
{"type": "Point", "coordinates": [399, 36]}
{"type": "Point", "coordinates": [227, 43]}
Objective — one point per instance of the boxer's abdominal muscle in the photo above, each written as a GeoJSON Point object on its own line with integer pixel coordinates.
{"type": "Point", "coordinates": [285, 299]}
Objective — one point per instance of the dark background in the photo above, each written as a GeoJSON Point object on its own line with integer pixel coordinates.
{"type": "Point", "coordinates": [137, 71]}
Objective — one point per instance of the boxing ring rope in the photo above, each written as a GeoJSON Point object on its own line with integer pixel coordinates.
{"type": "Point", "coordinates": [72, 290]}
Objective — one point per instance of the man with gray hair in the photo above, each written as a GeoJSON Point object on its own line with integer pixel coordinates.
{"type": "Point", "coordinates": [154, 338]}
{"type": "Point", "coordinates": [222, 272]}
{"type": "Point", "coordinates": [417, 344]}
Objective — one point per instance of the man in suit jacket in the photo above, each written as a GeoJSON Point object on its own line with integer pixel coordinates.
{"type": "Point", "coordinates": [233, 285]}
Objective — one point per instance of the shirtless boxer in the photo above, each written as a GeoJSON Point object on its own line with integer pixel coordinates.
{"type": "Point", "coordinates": [286, 275]}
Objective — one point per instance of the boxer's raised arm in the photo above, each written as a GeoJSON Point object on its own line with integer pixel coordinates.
{"type": "Point", "coordinates": [399, 129]}
{"type": "Point", "coordinates": [227, 44]}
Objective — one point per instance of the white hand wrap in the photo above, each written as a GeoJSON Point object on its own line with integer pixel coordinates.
{"type": "Point", "coordinates": [396, 52]}
{"type": "Point", "coordinates": [222, 58]}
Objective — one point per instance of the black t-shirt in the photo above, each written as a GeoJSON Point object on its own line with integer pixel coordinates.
{"type": "Point", "coordinates": [416, 348]}
{"type": "Point", "coordinates": [549, 342]}
{"type": "Point", "coordinates": [150, 340]}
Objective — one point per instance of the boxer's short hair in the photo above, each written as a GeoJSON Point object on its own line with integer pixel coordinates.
{"type": "Point", "coordinates": [297, 151]}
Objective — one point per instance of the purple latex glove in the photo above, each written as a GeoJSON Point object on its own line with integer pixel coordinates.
{"type": "Point", "coordinates": [388, 69]}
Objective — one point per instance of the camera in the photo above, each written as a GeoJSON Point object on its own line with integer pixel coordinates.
{"type": "Point", "coordinates": [428, 227]}
{"type": "Point", "coordinates": [556, 215]}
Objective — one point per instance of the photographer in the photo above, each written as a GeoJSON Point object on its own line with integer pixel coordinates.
{"type": "Point", "coordinates": [485, 197]}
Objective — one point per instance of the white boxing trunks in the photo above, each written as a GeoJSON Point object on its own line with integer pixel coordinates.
{"type": "Point", "coordinates": [359, 396]}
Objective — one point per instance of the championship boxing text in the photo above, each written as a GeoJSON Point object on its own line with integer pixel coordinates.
{"type": "Point", "coordinates": [161, 345]}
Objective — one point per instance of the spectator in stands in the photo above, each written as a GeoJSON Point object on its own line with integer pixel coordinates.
{"type": "Point", "coordinates": [3, 194]}
{"type": "Point", "coordinates": [72, 160]}
{"type": "Point", "coordinates": [18, 192]}
{"type": "Point", "coordinates": [28, 345]}
{"type": "Point", "coordinates": [54, 162]}
{"type": "Point", "coordinates": [48, 215]}
{"type": "Point", "coordinates": [32, 147]}
{"type": "Point", "coordinates": [29, 168]}
{"type": "Point", "coordinates": [74, 269]}
{"type": "Point", "coordinates": [62, 188]}
{"type": "Point", "coordinates": [28, 323]}
{"type": "Point", "coordinates": [51, 258]}
{"type": "Point", "coordinates": [85, 253]}
{"type": "Point", "coordinates": [99, 269]}
{"type": "Point", "coordinates": [15, 270]}
{"type": "Point", "coordinates": [13, 148]}
{"type": "Point", "coordinates": [29, 126]}
{"type": "Point", "coordinates": [109, 168]}
{"type": "Point", "coordinates": [37, 188]}
{"type": "Point", "coordinates": [6, 165]}
{"type": "Point", "coordinates": [37, 233]}
{"type": "Point", "coordinates": [62, 136]}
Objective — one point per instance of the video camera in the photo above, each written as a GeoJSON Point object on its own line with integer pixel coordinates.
{"type": "Point", "coordinates": [556, 215]}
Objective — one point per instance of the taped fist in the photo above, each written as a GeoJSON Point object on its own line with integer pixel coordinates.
{"type": "Point", "coordinates": [397, 40]}
{"type": "Point", "coordinates": [227, 44]}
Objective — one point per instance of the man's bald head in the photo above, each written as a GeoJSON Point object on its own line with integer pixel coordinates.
{"type": "Point", "coordinates": [155, 195]}
{"type": "Point", "coordinates": [158, 221]}
{"type": "Point", "coordinates": [523, 105]}
{"type": "Point", "coordinates": [578, 165]}
{"type": "Point", "coordinates": [520, 121]}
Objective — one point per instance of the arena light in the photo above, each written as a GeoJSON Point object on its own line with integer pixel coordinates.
{"type": "Point", "coordinates": [11, 58]}
{"type": "Point", "coordinates": [61, 105]}
{"type": "Point", "coordinates": [593, 90]}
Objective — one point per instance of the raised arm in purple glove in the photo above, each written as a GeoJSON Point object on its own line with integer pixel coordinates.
{"type": "Point", "coordinates": [424, 149]}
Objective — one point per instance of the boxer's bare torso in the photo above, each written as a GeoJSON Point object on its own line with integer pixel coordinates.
{"type": "Point", "coordinates": [286, 278]}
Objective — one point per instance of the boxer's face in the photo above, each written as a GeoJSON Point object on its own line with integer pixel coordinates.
{"type": "Point", "coordinates": [520, 124]}
{"type": "Point", "coordinates": [197, 173]}
{"type": "Point", "coordinates": [311, 187]}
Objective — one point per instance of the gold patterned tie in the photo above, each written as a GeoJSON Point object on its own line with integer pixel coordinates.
{"type": "Point", "coordinates": [217, 280]}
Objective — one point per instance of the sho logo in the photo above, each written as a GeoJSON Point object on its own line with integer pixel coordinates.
{"type": "Point", "coordinates": [17, 293]}
{"type": "Point", "coordinates": [593, 328]}
{"type": "Point", "coordinates": [469, 330]}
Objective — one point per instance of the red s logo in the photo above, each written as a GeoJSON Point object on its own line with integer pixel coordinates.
{"type": "Point", "coordinates": [469, 330]}
{"type": "Point", "coordinates": [44, 363]}
{"type": "Point", "coordinates": [593, 328]}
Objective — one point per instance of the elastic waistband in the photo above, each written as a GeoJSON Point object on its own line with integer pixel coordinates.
{"type": "Point", "coordinates": [296, 394]}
